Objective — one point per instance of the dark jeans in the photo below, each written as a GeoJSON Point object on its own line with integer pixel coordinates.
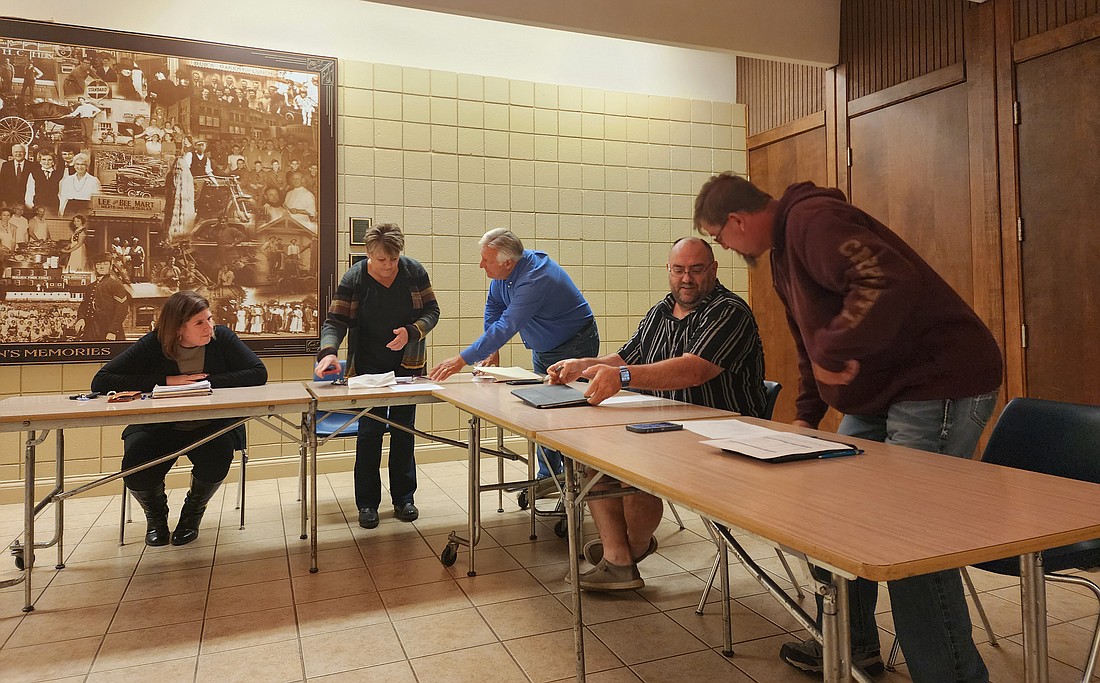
{"type": "Point", "coordinates": [930, 613]}
{"type": "Point", "coordinates": [584, 344]}
{"type": "Point", "coordinates": [210, 461]}
{"type": "Point", "coordinates": [368, 458]}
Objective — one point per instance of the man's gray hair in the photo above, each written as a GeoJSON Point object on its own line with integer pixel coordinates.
{"type": "Point", "coordinates": [504, 241]}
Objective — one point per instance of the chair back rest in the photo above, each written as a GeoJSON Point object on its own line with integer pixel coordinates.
{"type": "Point", "coordinates": [1051, 437]}
{"type": "Point", "coordinates": [329, 378]}
{"type": "Point", "coordinates": [771, 392]}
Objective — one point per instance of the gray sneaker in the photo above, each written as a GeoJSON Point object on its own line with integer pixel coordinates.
{"type": "Point", "coordinates": [593, 551]}
{"type": "Point", "coordinates": [611, 577]}
{"type": "Point", "coordinates": [808, 656]}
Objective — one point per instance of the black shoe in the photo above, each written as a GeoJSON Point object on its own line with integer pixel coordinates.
{"type": "Point", "coordinates": [406, 512]}
{"type": "Point", "coordinates": [807, 656]}
{"type": "Point", "coordinates": [368, 518]}
{"type": "Point", "coordinates": [194, 506]}
{"type": "Point", "coordinates": [155, 506]}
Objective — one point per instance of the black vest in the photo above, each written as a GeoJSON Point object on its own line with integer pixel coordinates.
{"type": "Point", "coordinates": [46, 190]}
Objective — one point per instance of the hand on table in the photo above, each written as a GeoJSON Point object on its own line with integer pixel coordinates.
{"type": "Point", "coordinates": [603, 383]}
{"type": "Point", "coordinates": [329, 365]}
{"type": "Point", "coordinates": [446, 368]}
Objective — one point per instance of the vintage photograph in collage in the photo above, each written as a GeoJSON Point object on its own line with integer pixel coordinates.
{"type": "Point", "coordinates": [130, 174]}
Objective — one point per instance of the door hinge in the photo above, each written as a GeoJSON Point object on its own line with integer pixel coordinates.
{"type": "Point", "coordinates": [1016, 112]}
{"type": "Point", "coordinates": [1019, 229]}
{"type": "Point", "coordinates": [1023, 335]}
{"type": "Point", "coordinates": [849, 157]}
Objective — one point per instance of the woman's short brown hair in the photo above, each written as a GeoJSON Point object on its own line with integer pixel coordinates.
{"type": "Point", "coordinates": [385, 236]}
{"type": "Point", "coordinates": [180, 307]}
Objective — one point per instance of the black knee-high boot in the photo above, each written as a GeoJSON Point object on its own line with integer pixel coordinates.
{"type": "Point", "coordinates": [155, 505]}
{"type": "Point", "coordinates": [194, 505]}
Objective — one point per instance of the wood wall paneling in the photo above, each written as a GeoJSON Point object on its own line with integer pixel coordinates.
{"type": "Point", "coordinates": [1034, 17]}
{"type": "Point", "coordinates": [887, 42]}
{"type": "Point", "coordinates": [779, 92]}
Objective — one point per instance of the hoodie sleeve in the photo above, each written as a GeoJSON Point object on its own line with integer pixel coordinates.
{"type": "Point", "coordinates": [878, 284]}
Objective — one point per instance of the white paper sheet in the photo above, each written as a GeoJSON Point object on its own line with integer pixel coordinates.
{"type": "Point", "coordinates": [630, 398]}
{"type": "Point", "coordinates": [506, 374]}
{"type": "Point", "coordinates": [411, 387]}
{"type": "Point", "coordinates": [777, 445]}
{"type": "Point", "coordinates": [725, 429]}
{"type": "Point", "coordinates": [384, 379]}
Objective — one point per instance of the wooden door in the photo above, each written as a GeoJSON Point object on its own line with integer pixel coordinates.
{"type": "Point", "coordinates": [910, 170]}
{"type": "Point", "coordinates": [772, 168]}
{"type": "Point", "coordinates": [1059, 171]}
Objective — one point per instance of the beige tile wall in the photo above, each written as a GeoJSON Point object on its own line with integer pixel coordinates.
{"type": "Point", "coordinates": [602, 181]}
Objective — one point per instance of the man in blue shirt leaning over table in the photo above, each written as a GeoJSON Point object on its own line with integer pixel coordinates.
{"type": "Point", "coordinates": [532, 295]}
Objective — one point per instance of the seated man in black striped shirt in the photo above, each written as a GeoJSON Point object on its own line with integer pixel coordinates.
{"type": "Point", "coordinates": [699, 345]}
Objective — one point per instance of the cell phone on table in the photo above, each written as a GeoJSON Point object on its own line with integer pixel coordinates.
{"type": "Point", "coordinates": [85, 396]}
{"type": "Point", "coordinates": [531, 380]}
{"type": "Point", "coordinates": [653, 427]}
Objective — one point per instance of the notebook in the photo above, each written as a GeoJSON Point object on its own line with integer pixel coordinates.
{"type": "Point", "coordinates": [551, 396]}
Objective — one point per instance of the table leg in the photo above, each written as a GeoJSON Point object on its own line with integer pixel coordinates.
{"type": "Point", "coordinates": [59, 485]}
{"type": "Point", "coordinates": [836, 631]}
{"type": "Point", "coordinates": [532, 455]}
{"type": "Point", "coordinates": [574, 565]}
{"type": "Point", "coordinates": [311, 439]}
{"type": "Point", "coordinates": [727, 618]}
{"type": "Point", "coordinates": [473, 524]}
{"type": "Point", "coordinates": [1033, 602]}
{"type": "Point", "coordinates": [28, 520]}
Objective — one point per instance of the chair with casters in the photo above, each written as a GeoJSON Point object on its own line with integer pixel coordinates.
{"type": "Point", "coordinates": [333, 423]}
{"type": "Point", "coordinates": [240, 445]}
{"type": "Point", "coordinates": [1060, 439]}
{"type": "Point", "coordinates": [771, 393]}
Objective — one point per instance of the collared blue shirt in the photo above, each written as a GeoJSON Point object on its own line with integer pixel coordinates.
{"type": "Point", "coordinates": [538, 300]}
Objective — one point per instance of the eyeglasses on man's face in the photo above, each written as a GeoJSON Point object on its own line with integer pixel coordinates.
{"type": "Point", "coordinates": [694, 271]}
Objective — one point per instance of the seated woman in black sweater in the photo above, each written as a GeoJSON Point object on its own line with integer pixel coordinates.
{"type": "Point", "coordinates": [185, 347]}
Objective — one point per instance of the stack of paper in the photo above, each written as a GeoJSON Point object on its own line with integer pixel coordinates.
{"type": "Point", "coordinates": [735, 436]}
{"type": "Point", "coordinates": [384, 379]}
{"type": "Point", "coordinates": [179, 390]}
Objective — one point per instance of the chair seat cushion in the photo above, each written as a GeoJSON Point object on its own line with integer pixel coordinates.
{"type": "Point", "coordinates": [329, 423]}
{"type": "Point", "coordinates": [1062, 558]}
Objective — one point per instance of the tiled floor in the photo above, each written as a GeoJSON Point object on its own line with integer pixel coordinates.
{"type": "Point", "coordinates": [241, 605]}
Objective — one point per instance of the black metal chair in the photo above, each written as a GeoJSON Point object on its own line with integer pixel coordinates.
{"type": "Point", "coordinates": [1060, 439]}
{"type": "Point", "coordinates": [771, 393]}
{"type": "Point", "coordinates": [330, 423]}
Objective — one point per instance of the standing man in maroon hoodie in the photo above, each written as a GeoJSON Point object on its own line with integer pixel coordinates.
{"type": "Point", "coordinates": [883, 339]}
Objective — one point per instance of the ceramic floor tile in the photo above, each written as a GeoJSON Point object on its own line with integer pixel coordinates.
{"type": "Point", "coordinates": [708, 627]}
{"type": "Point", "coordinates": [397, 672]}
{"type": "Point", "coordinates": [96, 570]}
{"type": "Point", "coordinates": [168, 583]}
{"type": "Point", "coordinates": [133, 615]}
{"type": "Point", "coordinates": [41, 663]}
{"type": "Point", "coordinates": [426, 598]}
{"type": "Point", "coordinates": [486, 561]}
{"type": "Point", "coordinates": [158, 644]}
{"type": "Point", "coordinates": [484, 589]}
{"type": "Point", "coordinates": [334, 559]}
{"type": "Point", "coordinates": [249, 598]}
{"type": "Point", "coordinates": [76, 595]}
{"type": "Point", "coordinates": [531, 653]}
{"type": "Point", "coordinates": [429, 635]}
{"type": "Point", "coordinates": [597, 608]}
{"type": "Point", "coordinates": [349, 649]}
{"type": "Point", "coordinates": [527, 617]}
{"type": "Point", "coordinates": [175, 671]}
{"type": "Point", "coordinates": [472, 665]}
{"type": "Point", "coordinates": [228, 553]}
{"type": "Point", "coordinates": [389, 551]}
{"type": "Point", "coordinates": [707, 665]}
{"type": "Point", "coordinates": [338, 614]}
{"type": "Point", "coordinates": [274, 662]}
{"type": "Point", "coordinates": [249, 571]}
{"type": "Point", "coordinates": [664, 638]}
{"type": "Point", "coordinates": [248, 630]}
{"type": "Point", "coordinates": [44, 626]}
{"type": "Point", "coordinates": [175, 558]}
{"type": "Point", "coordinates": [409, 573]}
{"type": "Point", "coordinates": [327, 584]}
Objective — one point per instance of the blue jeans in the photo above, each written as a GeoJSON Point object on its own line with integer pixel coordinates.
{"type": "Point", "coordinates": [930, 613]}
{"type": "Point", "coordinates": [584, 344]}
{"type": "Point", "coordinates": [368, 458]}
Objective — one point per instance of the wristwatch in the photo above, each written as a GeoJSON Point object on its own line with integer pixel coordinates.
{"type": "Point", "coordinates": [624, 376]}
